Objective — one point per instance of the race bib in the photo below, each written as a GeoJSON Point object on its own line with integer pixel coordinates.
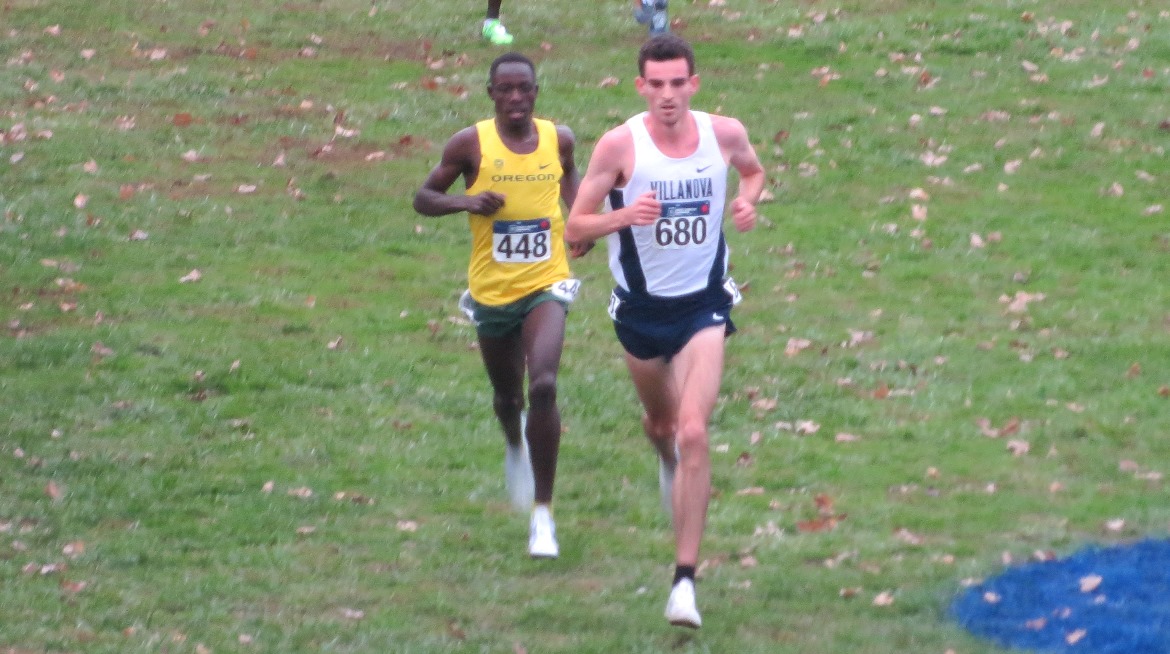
{"type": "Point", "coordinates": [566, 290]}
{"type": "Point", "coordinates": [682, 225]}
{"type": "Point", "coordinates": [467, 305]}
{"type": "Point", "coordinates": [732, 289]}
{"type": "Point", "coordinates": [614, 303]}
{"type": "Point", "coordinates": [522, 241]}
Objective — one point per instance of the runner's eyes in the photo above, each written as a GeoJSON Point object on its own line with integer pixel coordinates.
{"type": "Point", "coordinates": [507, 89]}
{"type": "Point", "coordinates": [676, 83]}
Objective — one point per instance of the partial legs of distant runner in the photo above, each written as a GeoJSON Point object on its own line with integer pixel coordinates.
{"type": "Point", "coordinates": [493, 30]}
{"type": "Point", "coordinates": [654, 14]}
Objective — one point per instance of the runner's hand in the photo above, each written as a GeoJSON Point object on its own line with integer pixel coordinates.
{"type": "Point", "coordinates": [486, 203]}
{"type": "Point", "coordinates": [743, 213]}
{"type": "Point", "coordinates": [645, 210]}
{"type": "Point", "coordinates": [579, 249]}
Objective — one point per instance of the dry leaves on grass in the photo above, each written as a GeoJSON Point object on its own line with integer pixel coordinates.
{"type": "Point", "coordinates": [1020, 301]}
{"type": "Point", "coordinates": [1018, 447]}
{"type": "Point", "coordinates": [908, 537]}
{"type": "Point", "coordinates": [826, 519]}
{"type": "Point", "coordinates": [1012, 426]}
{"type": "Point", "coordinates": [796, 346]}
{"type": "Point", "coordinates": [806, 427]}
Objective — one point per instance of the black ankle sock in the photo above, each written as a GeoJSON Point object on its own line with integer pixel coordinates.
{"type": "Point", "coordinates": [683, 572]}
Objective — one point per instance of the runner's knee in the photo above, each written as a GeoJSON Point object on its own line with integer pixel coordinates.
{"type": "Point", "coordinates": [692, 435]}
{"type": "Point", "coordinates": [542, 390]}
{"type": "Point", "coordinates": [660, 429]}
{"type": "Point", "coordinates": [505, 404]}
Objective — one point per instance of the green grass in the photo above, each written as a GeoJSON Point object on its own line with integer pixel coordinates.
{"type": "Point", "coordinates": [141, 418]}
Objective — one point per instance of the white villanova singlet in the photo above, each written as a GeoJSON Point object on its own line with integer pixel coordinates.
{"type": "Point", "coordinates": [683, 252]}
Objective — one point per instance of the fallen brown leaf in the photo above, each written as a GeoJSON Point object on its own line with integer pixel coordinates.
{"type": "Point", "coordinates": [908, 537]}
{"type": "Point", "coordinates": [1018, 447]}
{"type": "Point", "coordinates": [805, 427]}
{"type": "Point", "coordinates": [1090, 583]}
{"type": "Point", "coordinates": [817, 524]}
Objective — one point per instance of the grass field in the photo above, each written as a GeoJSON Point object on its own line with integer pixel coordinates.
{"type": "Point", "coordinates": [238, 411]}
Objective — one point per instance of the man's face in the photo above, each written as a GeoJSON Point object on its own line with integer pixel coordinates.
{"type": "Point", "coordinates": [667, 87]}
{"type": "Point", "coordinates": [513, 89]}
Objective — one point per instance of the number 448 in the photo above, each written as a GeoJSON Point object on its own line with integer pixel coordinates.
{"type": "Point", "coordinates": [523, 246]}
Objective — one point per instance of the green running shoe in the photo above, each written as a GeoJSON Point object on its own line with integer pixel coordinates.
{"type": "Point", "coordinates": [495, 32]}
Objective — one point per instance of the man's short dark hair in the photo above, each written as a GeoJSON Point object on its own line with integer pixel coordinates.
{"type": "Point", "coordinates": [665, 47]}
{"type": "Point", "coordinates": [510, 58]}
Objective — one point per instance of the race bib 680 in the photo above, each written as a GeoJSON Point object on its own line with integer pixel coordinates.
{"type": "Point", "coordinates": [682, 225]}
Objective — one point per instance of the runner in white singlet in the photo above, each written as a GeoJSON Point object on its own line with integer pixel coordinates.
{"type": "Point", "coordinates": [663, 178]}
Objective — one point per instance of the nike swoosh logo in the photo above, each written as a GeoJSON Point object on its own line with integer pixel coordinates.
{"type": "Point", "coordinates": [544, 166]}
{"type": "Point", "coordinates": [699, 170]}
{"type": "Point", "coordinates": [717, 316]}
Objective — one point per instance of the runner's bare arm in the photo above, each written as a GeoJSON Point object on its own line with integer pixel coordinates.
{"type": "Point", "coordinates": [733, 140]}
{"type": "Point", "coordinates": [460, 158]}
{"type": "Point", "coordinates": [570, 177]}
{"type": "Point", "coordinates": [612, 159]}
{"type": "Point", "coordinates": [570, 182]}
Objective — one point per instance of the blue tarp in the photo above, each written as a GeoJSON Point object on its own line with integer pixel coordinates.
{"type": "Point", "coordinates": [1100, 600]}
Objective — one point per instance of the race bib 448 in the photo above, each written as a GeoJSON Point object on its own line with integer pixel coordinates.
{"type": "Point", "coordinates": [521, 241]}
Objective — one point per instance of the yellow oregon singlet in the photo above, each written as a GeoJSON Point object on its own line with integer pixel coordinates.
{"type": "Point", "coordinates": [520, 249]}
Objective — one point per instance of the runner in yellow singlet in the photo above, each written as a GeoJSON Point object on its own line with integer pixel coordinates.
{"type": "Point", "coordinates": [518, 171]}
{"type": "Point", "coordinates": [519, 249]}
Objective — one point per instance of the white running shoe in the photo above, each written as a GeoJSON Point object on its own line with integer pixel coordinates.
{"type": "Point", "coordinates": [542, 534]}
{"type": "Point", "coordinates": [518, 471]}
{"type": "Point", "coordinates": [680, 608]}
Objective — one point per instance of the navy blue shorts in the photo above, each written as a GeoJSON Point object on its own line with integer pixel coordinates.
{"type": "Point", "coordinates": [661, 327]}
